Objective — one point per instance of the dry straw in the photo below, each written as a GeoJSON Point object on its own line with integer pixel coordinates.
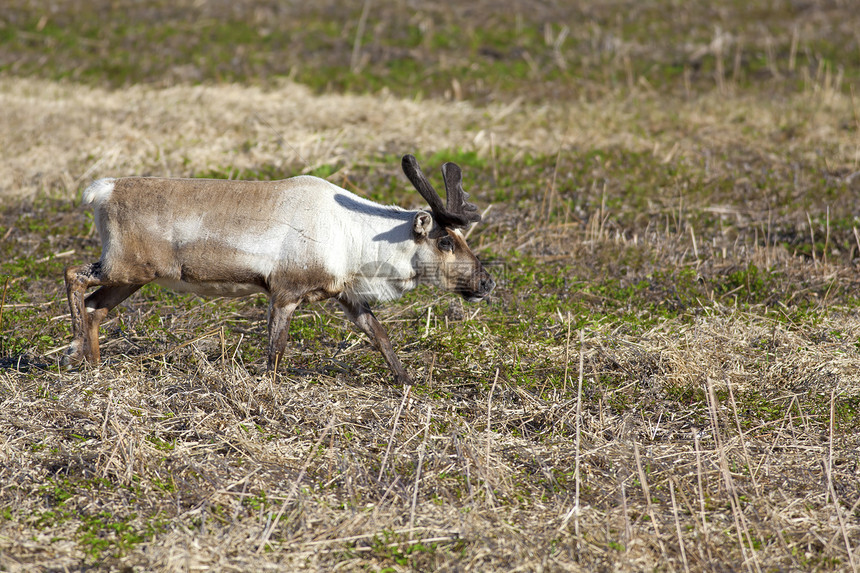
{"type": "Point", "coordinates": [482, 473]}
{"type": "Point", "coordinates": [61, 136]}
{"type": "Point", "coordinates": [221, 468]}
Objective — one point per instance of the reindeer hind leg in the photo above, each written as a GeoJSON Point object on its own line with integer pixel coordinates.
{"type": "Point", "coordinates": [78, 279]}
{"type": "Point", "coordinates": [88, 312]}
{"type": "Point", "coordinates": [97, 305]}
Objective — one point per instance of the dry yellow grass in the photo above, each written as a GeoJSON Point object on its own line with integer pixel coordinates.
{"type": "Point", "coordinates": [59, 136]}
{"type": "Point", "coordinates": [197, 462]}
{"type": "Point", "coordinates": [497, 497]}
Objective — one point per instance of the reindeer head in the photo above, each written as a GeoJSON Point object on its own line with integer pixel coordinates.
{"type": "Point", "coordinates": [445, 259]}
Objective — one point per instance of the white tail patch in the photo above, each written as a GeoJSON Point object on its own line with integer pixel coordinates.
{"type": "Point", "coordinates": [98, 191]}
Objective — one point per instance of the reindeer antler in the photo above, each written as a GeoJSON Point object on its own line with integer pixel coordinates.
{"type": "Point", "coordinates": [458, 213]}
{"type": "Point", "coordinates": [456, 196]}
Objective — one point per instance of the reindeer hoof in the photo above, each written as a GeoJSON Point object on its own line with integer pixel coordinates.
{"type": "Point", "coordinates": [402, 380]}
{"type": "Point", "coordinates": [73, 357]}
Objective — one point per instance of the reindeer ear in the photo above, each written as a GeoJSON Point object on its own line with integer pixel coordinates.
{"type": "Point", "coordinates": [422, 224]}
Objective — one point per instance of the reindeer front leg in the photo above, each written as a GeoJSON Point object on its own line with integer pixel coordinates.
{"type": "Point", "coordinates": [280, 314]}
{"type": "Point", "coordinates": [363, 317]}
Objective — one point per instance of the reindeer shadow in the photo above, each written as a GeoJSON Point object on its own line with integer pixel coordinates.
{"type": "Point", "coordinates": [24, 363]}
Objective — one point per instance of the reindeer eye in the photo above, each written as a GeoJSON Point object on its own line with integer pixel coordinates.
{"type": "Point", "coordinates": [446, 244]}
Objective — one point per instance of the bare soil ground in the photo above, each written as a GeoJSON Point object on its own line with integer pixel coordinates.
{"type": "Point", "coordinates": [667, 377]}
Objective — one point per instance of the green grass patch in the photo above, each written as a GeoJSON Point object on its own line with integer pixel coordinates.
{"type": "Point", "coordinates": [575, 49]}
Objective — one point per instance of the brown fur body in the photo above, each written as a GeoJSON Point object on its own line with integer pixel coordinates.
{"type": "Point", "coordinates": [297, 240]}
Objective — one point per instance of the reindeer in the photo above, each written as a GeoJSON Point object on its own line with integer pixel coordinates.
{"type": "Point", "coordinates": [297, 240]}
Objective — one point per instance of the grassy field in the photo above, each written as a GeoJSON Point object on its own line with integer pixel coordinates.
{"type": "Point", "coordinates": [666, 378]}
